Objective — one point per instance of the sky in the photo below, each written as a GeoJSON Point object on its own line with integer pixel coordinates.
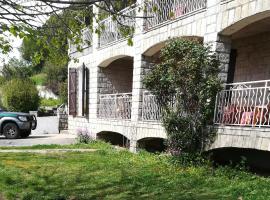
{"type": "Point", "coordinates": [15, 43]}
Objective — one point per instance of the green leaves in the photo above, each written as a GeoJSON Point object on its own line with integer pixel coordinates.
{"type": "Point", "coordinates": [188, 75]}
{"type": "Point", "coordinates": [20, 95]}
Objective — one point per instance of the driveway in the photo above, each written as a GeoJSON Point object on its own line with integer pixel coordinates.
{"type": "Point", "coordinates": [45, 133]}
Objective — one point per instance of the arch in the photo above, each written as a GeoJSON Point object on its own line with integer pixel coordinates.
{"type": "Point", "coordinates": [152, 144]}
{"type": "Point", "coordinates": [108, 61]}
{"type": "Point", "coordinates": [241, 24]}
{"type": "Point", "coordinates": [114, 138]}
{"type": "Point", "coordinates": [154, 49]}
{"type": "Point", "coordinates": [254, 158]}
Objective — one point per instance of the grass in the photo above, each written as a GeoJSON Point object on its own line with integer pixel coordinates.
{"type": "Point", "coordinates": [39, 79]}
{"type": "Point", "coordinates": [93, 145]}
{"type": "Point", "coordinates": [111, 174]}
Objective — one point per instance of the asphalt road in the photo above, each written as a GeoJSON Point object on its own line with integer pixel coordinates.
{"type": "Point", "coordinates": [45, 133]}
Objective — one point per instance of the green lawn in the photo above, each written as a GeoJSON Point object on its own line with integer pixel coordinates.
{"type": "Point", "coordinates": [113, 174]}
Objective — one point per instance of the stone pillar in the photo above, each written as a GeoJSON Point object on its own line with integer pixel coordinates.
{"type": "Point", "coordinates": [93, 81]}
{"type": "Point", "coordinates": [223, 50]}
{"type": "Point", "coordinates": [221, 45]}
{"type": "Point", "coordinates": [137, 66]}
{"type": "Point", "coordinates": [133, 146]}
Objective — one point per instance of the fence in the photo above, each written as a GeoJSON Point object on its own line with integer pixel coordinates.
{"type": "Point", "coordinates": [113, 28]}
{"type": "Point", "coordinates": [151, 111]}
{"type": "Point", "coordinates": [160, 11]}
{"type": "Point", "coordinates": [244, 104]}
{"type": "Point", "coordinates": [115, 106]}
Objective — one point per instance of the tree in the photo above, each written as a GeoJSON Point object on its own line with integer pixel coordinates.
{"type": "Point", "coordinates": [16, 68]}
{"type": "Point", "coordinates": [185, 84]}
{"type": "Point", "coordinates": [26, 19]}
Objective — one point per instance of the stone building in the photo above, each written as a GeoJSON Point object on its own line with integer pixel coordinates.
{"type": "Point", "coordinates": [106, 94]}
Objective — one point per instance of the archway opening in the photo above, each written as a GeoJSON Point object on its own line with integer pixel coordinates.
{"type": "Point", "coordinates": [152, 56]}
{"type": "Point", "coordinates": [152, 144]}
{"type": "Point", "coordinates": [114, 138]}
{"type": "Point", "coordinates": [250, 54]}
{"type": "Point", "coordinates": [253, 159]}
{"type": "Point", "coordinates": [115, 89]}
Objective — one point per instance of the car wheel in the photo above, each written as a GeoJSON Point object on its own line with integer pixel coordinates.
{"type": "Point", "coordinates": [25, 134]}
{"type": "Point", "coordinates": [11, 131]}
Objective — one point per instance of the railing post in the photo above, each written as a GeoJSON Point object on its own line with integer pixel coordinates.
{"type": "Point", "coordinates": [263, 102]}
{"type": "Point", "coordinates": [215, 111]}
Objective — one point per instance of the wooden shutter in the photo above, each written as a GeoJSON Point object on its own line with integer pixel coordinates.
{"type": "Point", "coordinates": [85, 91]}
{"type": "Point", "coordinates": [72, 91]}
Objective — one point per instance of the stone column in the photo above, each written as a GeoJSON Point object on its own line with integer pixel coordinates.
{"type": "Point", "coordinates": [133, 146]}
{"type": "Point", "coordinates": [221, 45]}
{"type": "Point", "coordinates": [93, 81]}
{"type": "Point", "coordinates": [137, 66]}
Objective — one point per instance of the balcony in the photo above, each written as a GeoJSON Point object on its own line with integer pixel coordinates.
{"type": "Point", "coordinates": [115, 106]}
{"type": "Point", "coordinates": [244, 104]}
{"type": "Point", "coordinates": [87, 42]}
{"type": "Point", "coordinates": [112, 29]}
{"type": "Point", "coordinates": [156, 12]}
{"type": "Point", "coordinates": [161, 11]}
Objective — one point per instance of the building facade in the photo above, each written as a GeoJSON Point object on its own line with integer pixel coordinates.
{"type": "Point", "coordinates": [106, 94]}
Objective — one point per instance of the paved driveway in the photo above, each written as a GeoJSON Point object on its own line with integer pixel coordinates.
{"type": "Point", "coordinates": [46, 125]}
{"type": "Point", "coordinates": [45, 133]}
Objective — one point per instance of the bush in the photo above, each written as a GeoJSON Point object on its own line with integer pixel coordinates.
{"type": "Point", "coordinates": [64, 92]}
{"type": "Point", "coordinates": [49, 102]}
{"type": "Point", "coordinates": [39, 79]}
{"type": "Point", "coordinates": [20, 95]}
{"type": "Point", "coordinates": [84, 136]}
{"type": "Point", "coordinates": [185, 83]}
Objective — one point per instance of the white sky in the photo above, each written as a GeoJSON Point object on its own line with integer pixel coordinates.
{"type": "Point", "coordinates": [16, 42]}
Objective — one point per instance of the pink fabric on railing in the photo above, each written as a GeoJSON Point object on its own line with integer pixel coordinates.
{"type": "Point", "coordinates": [179, 11]}
{"type": "Point", "coordinates": [246, 118]}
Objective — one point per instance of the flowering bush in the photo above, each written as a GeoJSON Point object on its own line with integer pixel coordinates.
{"type": "Point", "coordinates": [84, 136]}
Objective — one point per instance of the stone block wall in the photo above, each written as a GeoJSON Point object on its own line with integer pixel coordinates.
{"type": "Point", "coordinates": [213, 24]}
{"type": "Point", "coordinates": [116, 78]}
{"type": "Point", "coordinates": [253, 58]}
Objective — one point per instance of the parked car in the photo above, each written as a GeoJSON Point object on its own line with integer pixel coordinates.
{"type": "Point", "coordinates": [16, 125]}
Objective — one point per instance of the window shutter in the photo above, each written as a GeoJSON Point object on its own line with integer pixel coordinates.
{"type": "Point", "coordinates": [72, 91]}
{"type": "Point", "coordinates": [83, 90]}
{"type": "Point", "coordinates": [87, 90]}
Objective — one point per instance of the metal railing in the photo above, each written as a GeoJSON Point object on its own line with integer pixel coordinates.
{"type": "Point", "coordinates": [151, 111]}
{"type": "Point", "coordinates": [87, 41]}
{"type": "Point", "coordinates": [115, 106]}
{"type": "Point", "coordinates": [161, 11]}
{"type": "Point", "coordinates": [112, 29]}
{"type": "Point", "coordinates": [244, 104]}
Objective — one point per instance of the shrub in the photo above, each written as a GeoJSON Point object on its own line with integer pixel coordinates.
{"type": "Point", "coordinates": [84, 136]}
{"type": "Point", "coordinates": [49, 102]}
{"type": "Point", "coordinates": [185, 84]}
{"type": "Point", "coordinates": [64, 92]}
{"type": "Point", "coordinates": [39, 79]}
{"type": "Point", "coordinates": [20, 95]}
